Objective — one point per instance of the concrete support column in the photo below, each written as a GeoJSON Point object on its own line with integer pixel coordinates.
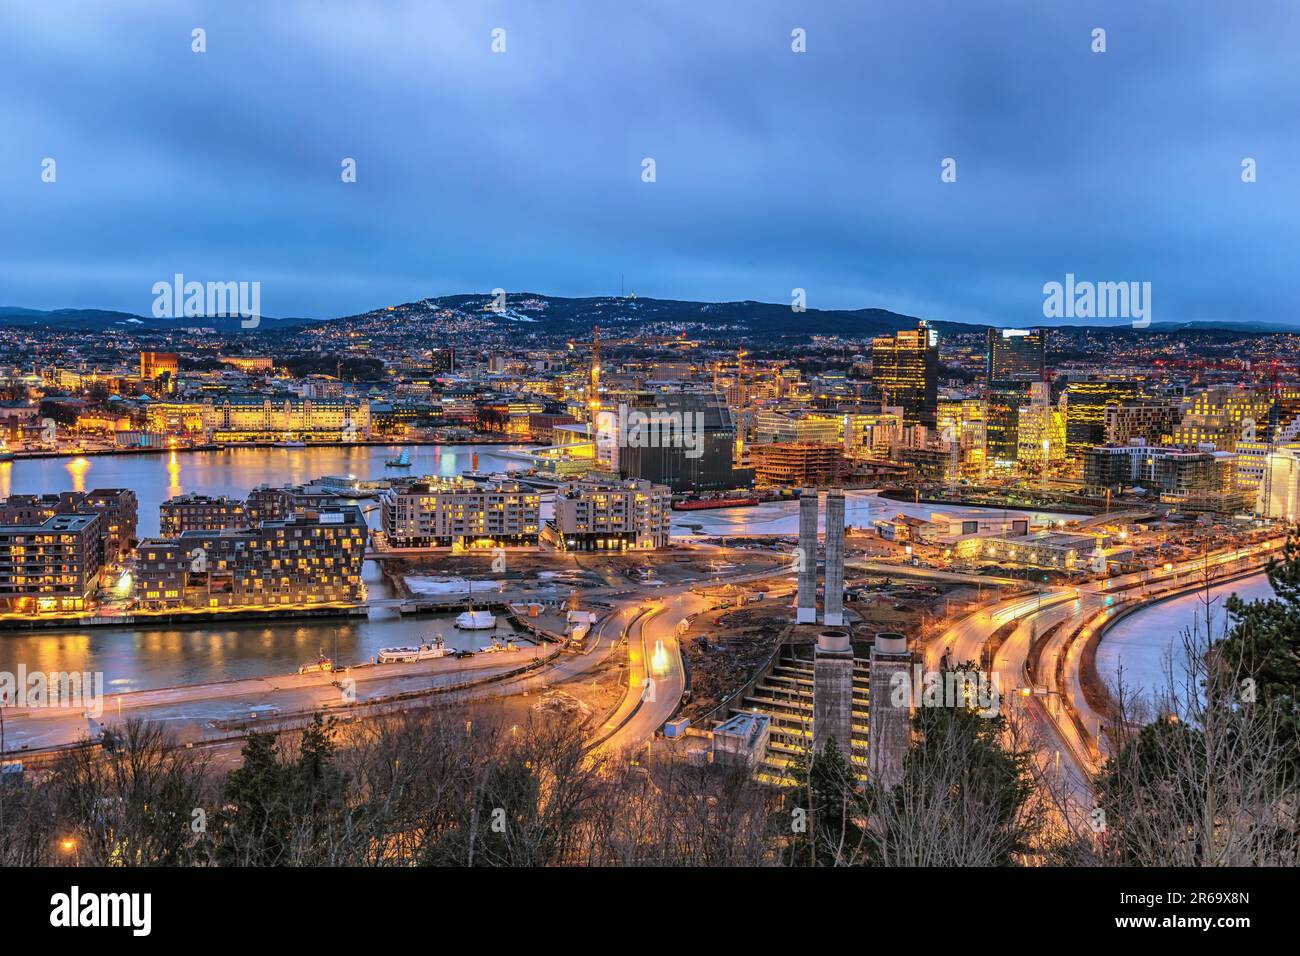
{"type": "Point", "coordinates": [807, 557]}
{"type": "Point", "coordinates": [834, 602]}
{"type": "Point", "coordinates": [889, 724]}
{"type": "Point", "coordinates": [833, 692]}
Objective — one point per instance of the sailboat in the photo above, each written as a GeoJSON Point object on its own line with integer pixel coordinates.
{"type": "Point", "coordinates": [473, 620]}
{"type": "Point", "coordinates": [401, 461]}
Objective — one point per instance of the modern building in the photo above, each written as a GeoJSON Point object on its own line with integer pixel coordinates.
{"type": "Point", "coordinates": [798, 464]}
{"type": "Point", "coordinates": [1002, 422]}
{"type": "Point", "coordinates": [1085, 411]}
{"type": "Point", "coordinates": [683, 439]}
{"type": "Point", "coordinates": [602, 515]}
{"type": "Point", "coordinates": [1016, 355]}
{"type": "Point", "coordinates": [905, 368]}
{"type": "Point", "coordinates": [53, 565]}
{"type": "Point", "coordinates": [201, 513]}
{"type": "Point", "coordinates": [460, 513]}
{"type": "Point", "coordinates": [1279, 491]}
{"type": "Point", "coordinates": [117, 505]}
{"type": "Point", "coordinates": [308, 558]}
{"type": "Point", "coordinates": [1174, 473]}
{"type": "Point", "coordinates": [1152, 421]}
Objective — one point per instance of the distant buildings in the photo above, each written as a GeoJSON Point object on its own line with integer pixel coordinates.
{"type": "Point", "coordinates": [1173, 473]}
{"type": "Point", "coordinates": [460, 513]}
{"type": "Point", "coordinates": [1085, 411]}
{"type": "Point", "coordinates": [264, 418]}
{"type": "Point", "coordinates": [154, 365]}
{"type": "Point", "coordinates": [602, 515]}
{"type": "Point", "coordinates": [798, 464]}
{"type": "Point", "coordinates": [307, 558]}
{"type": "Point", "coordinates": [905, 368]}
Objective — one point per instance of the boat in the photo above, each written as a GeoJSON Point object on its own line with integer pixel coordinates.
{"type": "Point", "coordinates": [703, 504]}
{"type": "Point", "coordinates": [426, 651]}
{"type": "Point", "coordinates": [476, 620]}
{"type": "Point", "coordinates": [323, 663]}
{"type": "Point", "coordinates": [473, 620]}
{"type": "Point", "coordinates": [496, 647]}
{"type": "Point", "coordinates": [401, 461]}
{"type": "Point", "coordinates": [291, 444]}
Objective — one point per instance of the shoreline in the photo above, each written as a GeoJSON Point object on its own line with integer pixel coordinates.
{"type": "Point", "coordinates": [370, 443]}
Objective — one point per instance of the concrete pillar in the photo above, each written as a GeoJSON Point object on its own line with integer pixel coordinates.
{"type": "Point", "coordinates": [833, 609]}
{"type": "Point", "coordinates": [889, 723]}
{"type": "Point", "coordinates": [833, 692]}
{"type": "Point", "coordinates": [807, 606]}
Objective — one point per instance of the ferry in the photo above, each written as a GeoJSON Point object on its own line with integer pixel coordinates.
{"type": "Point", "coordinates": [426, 651]}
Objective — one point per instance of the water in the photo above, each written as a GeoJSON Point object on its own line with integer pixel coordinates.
{"type": "Point", "coordinates": [145, 658]}
{"type": "Point", "coordinates": [235, 471]}
{"type": "Point", "coordinates": [1146, 641]}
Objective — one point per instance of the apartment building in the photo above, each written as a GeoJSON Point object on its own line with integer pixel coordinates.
{"type": "Point", "coordinates": [52, 565]}
{"type": "Point", "coordinates": [460, 513]}
{"type": "Point", "coordinates": [201, 513]}
{"type": "Point", "coordinates": [307, 558]}
{"type": "Point", "coordinates": [609, 515]}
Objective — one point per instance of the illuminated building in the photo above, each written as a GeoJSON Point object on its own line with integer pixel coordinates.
{"type": "Point", "coordinates": [1174, 473]}
{"type": "Point", "coordinates": [1016, 355]}
{"type": "Point", "coordinates": [1085, 411]}
{"type": "Point", "coordinates": [1223, 416]}
{"type": "Point", "coordinates": [459, 513]}
{"type": "Point", "coordinates": [600, 515]}
{"type": "Point", "coordinates": [117, 506]}
{"type": "Point", "coordinates": [1002, 423]}
{"type": "Point", "coordinates": [798, 464]}
{"type": "Point", "coordinates": [248, 363]}
{"type": "Point", "coordinates": [1040, 431]}
{"type": "Point", "coordinates": [775, 425]}
{"type": "Point", "coordinates": [154, 365]}
{"type": "Point", "coordinates": [905, 368]}
{"type": "Point", "coordinates": [306, 558]}
{"type": "Point", "coordinates": [200, 513]}
{"type": "Point", "coordinates": [1279, 489]}
{"type": "Point", "coordinates": [1154, 422]}
{"type": "Point", "coordinates": [51, 566]}
{"type": "Point", "coordinates": [962, 423]}
{"type": "Point", "coordinates": [872, 435]}
{"type": "Point", "coordinates": [265, 418]}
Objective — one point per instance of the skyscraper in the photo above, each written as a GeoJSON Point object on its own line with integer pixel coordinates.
{"type": "Point", "coordinates": [1016, 355]}
{"type": "Point", "coordinates": [905, 368]}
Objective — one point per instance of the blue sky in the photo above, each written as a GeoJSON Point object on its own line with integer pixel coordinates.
{"type": "Point", "coordinates": [774, 170]}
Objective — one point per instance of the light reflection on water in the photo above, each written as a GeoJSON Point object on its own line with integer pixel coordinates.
{"type": "Point", "coordinates": [142, 658]}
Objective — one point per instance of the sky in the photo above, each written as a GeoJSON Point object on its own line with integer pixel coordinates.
{"type": "Point", "coordinates": [774, 170]}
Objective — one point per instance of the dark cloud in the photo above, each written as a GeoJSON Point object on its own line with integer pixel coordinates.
{"type": "Point", "coordinates": [775, 170]}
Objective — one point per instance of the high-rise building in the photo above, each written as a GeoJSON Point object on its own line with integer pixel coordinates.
{"type": "Point", "coordinates": [905, 368]}
{"type": "Point", "coordinates": [1085, 411]}
{"type": "Point", "coordinates": [1002, 422]}
{"type": "Point", "coordinates": [1016, 355]}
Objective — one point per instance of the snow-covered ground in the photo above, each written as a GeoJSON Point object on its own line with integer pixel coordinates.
{"type": "Point", "coordinates": [444, 585]}
{"type": "Point", "coordinates": [861, 508]}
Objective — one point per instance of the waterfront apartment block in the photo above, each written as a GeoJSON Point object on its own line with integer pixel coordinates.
{"type": "Point", "coordinates": [51, 565]}
{"type": "Point", "coordinates": [201, 513]}
{"type": "Point", "coordinates": [460, 513]}
{"type": "Point", "coordinates": [612, 515]}
{"type": "Point", "coordinates": [117, 505]}
{"type": "Point", "coordinates": [307, 558]}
